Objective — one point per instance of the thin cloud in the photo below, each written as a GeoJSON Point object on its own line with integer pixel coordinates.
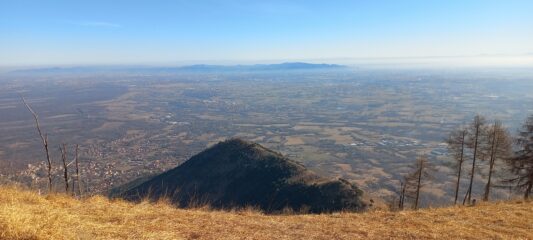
{"type": "Point", "coordinates": [97, 24]}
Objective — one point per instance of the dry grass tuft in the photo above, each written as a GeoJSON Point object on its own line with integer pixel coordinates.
{"type": "Point", "coordinates": [26, 215]}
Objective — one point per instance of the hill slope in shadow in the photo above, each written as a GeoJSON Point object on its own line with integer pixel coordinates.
{"type": "Point", "coordinates": [237, 174]}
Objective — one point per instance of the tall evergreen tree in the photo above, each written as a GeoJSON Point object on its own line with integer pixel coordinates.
{"type": "Point", "coordinates": [522, 162]}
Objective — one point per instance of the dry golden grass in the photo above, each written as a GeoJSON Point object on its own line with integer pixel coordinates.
{"type": "Point", "coordinates": [27, 215]}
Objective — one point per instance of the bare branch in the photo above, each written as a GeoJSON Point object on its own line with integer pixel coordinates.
{"type": "Point", "coordinates": [44, 139]}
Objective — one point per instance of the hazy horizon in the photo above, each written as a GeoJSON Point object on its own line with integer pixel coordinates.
{"type": "Point", "coordinates": [485, 33]}
{"type": "Point", "coordinates": [480, 61]}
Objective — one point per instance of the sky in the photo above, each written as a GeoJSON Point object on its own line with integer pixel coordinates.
{"type": "Point", "coordinates": [198, 31]}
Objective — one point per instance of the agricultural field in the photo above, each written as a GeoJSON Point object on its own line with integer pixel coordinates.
{"type": "Point", "coordinates": [367, 126]}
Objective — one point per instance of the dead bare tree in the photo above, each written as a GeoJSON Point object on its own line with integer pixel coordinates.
{"type": "Point", "coordinates": [498, 148]}
{"type": "Point", "coordinates": [456, 145]}
{"type": "Point", "coordinates": [402, 194]}
{"type": "Point", "coordinates": [475, 134]}
{"type": "Point", "coordinates": [44, 140]}
{"type": "Point", "coordinates": [522, 162]}
{"type": "Point", "coordinates": [416, 180]}
{"type": "Point", "coordinates": [78, 171]}
{"type": "Point", "coordinates": [63, 150]}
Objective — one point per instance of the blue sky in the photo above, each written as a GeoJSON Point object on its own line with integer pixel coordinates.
{"type": "Point", "coordinates": [167, 32]}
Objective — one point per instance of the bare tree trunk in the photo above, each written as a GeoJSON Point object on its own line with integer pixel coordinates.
{"type": "Point", "coordinates": [488, 185]}
{"type": "Point", "coordinates": [466, 195]}
{"type": "Point", "coordinates": [459, 171]}
{"type": "Point", "coordinates": [402, 195]}
{"type": "Point", "coordinates": [78, 171]}
{"type": "Point", "coordinates": [418, 185]}
{"type": "Point", "coordinates": [44, 139]}
{"type": "Point", "coordinates": [528, 190]}
{"type": "Point", "coordinates": [457, 184]}
{"type": "Point", "coordinates": [400, 198]}
{"type": "Point", "coordinates": [49, 163]}
{"type": "Point", "coordinates": [491, 164]}
{"type": "Point", "coordinates": [476, 138]}
{"type": "Point", "coordinates": [65, 167]}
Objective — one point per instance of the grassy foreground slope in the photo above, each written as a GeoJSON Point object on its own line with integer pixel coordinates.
{"type": "Point", "coordinates": [27, 215]}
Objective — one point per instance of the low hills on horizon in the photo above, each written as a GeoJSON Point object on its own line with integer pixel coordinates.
{"type": "Point", "coordinates": [236, 174]}
{"type": "Point", "coordinates": [196, 68]}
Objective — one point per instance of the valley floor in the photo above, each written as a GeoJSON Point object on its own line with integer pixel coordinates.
{"type": "Point", "coordinates": [27, 215]}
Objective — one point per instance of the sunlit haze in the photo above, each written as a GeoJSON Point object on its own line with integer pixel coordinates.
{"type": "Point", "coordinates": [184, 32]}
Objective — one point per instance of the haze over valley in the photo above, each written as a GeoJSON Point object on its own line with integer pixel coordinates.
{"type": "Point", "coordinates": [364, 125]}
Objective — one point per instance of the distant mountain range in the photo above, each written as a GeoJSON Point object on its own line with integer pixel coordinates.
{"type": "Point", "coordinates": [237, 174]}
{"type": "Point", "coordinates": [189, 68]}
{"type": "Point", "coordinates": [261, 67]}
